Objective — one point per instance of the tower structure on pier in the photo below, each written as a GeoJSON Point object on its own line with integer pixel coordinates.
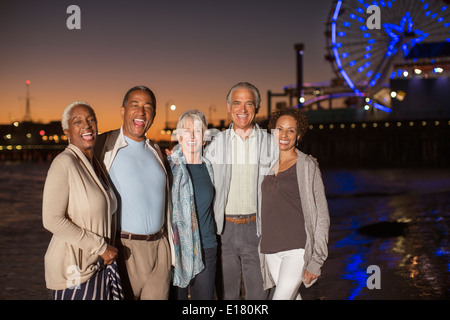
{"type": "Point", "coordinates": [27, 116]}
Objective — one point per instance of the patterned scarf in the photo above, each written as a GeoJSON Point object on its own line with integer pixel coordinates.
{"type": "Point", "coordinates": [187, 245]}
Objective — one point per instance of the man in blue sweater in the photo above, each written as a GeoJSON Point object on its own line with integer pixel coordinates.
{"type": "Point", "coordinates": [136, 168]}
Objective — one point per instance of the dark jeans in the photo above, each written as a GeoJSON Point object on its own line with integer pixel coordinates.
{"type": "Point", "coordinates": [202, 286]}
{"type": "Point", "coordinates": [240, 260]}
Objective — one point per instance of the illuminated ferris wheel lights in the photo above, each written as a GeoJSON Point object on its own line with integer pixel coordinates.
{"type": "Point", "coordinates": [369, 66]}
{"type": "Point", "coordinates": [405, 50]}
{"type": "Point", "coordinates": [347, 79]}
{"type": "Point", "coordinates": [381, 107]}
{"type": "Point", "coordinates": [336, 11]}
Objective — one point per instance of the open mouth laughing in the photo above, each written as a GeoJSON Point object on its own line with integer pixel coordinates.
{"type": "Point", "coordinates": [139, 122]}
{"type": "Point", "coordinates": [88, 136]}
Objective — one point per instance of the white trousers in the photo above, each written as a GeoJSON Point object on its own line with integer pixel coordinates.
{"type": "Point", "coordinates": [286, 270]}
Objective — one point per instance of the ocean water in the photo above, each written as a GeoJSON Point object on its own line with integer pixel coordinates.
{"type": "Point", "coordinates": [397, 220]}
{"type": "Point", "coordinates": [23, 240]}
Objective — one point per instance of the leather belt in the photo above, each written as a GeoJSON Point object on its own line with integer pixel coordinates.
{"type": "Point", "coordinates": [240, 220]}
{"type": "Point", "coordinates": [144, 237]}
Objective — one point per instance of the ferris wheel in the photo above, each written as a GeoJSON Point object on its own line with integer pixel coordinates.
{"type": "Point", "coordinates": [367, 39]}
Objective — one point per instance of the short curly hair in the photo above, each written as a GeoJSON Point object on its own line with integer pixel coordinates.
{"type": "Point", "coordinates": [66, 113]}
{"type": "Point", "coordinates": [299, 116]}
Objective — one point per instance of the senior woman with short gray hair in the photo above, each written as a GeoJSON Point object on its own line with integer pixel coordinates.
{"type": "Point", "coordinates": [79, 208]}
{"type": "Point", "coordinates": [193, 222]}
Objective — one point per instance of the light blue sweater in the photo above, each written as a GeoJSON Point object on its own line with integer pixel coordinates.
{"type": "Point", "coordinates": [142, 195]}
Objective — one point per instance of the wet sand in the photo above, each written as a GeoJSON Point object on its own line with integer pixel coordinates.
{"type": "Point", "coordinates": [397, 220]}
{"type": "Point", "coordinates": [23, 240]}
{"type": "Point", "coordinates": [406, 215]}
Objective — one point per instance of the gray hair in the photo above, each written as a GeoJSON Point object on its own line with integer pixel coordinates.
{"type": "Point", "coordinates": [66, 113]}
{"type": "Point", "coordinates": [249, 86]}
{"type": "Point", "coordinates": [195, 115]}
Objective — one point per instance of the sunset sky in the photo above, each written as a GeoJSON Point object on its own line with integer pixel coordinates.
{"type": "Point", "coordinates": [188, 52]}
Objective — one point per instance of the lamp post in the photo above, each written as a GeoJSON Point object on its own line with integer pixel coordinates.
{"type": "Point", "coordinates": [169, 132]}
{"type": "Point", "coordinates": [171, 107]}
{"type": "Point", "coordinates": [212, 109]}
{"type": "Point", "coordinates": [299, 48]}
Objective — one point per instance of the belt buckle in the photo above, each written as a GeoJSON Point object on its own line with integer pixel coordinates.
{"type": "Point", "coordinates": [154, 236]}
{"type": "Point", "coordinates": [243, 220]}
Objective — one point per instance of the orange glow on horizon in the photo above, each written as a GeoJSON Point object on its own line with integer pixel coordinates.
{"type": "Point", "coordinates": [47, 106]}
{"type": "Point", "coordinates": [184, 59]}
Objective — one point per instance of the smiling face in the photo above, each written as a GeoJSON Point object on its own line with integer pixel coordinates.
{"type": "Point", "coordinates": [242, 108]}
{"type": "Point", "coordinates": [138, 115]}
{"type": "Point", "coordinates": [191, 137]}
{"type": "Point", "coordinates": [286, 133]}
{"type": "Point", "coordinates": [82, 130]}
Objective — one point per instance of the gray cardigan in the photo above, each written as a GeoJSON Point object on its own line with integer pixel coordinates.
{"type": "Point", "coordinates": [317, 219]}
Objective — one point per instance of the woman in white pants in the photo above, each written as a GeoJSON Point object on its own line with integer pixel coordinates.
{"type": "Point", "coordinates": [294, 212]}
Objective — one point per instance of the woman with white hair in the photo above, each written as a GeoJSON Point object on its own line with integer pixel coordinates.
{"type": "Point", "coordinates": [193, 223]}
{"type": "Point", "coordinates": [79, 208]}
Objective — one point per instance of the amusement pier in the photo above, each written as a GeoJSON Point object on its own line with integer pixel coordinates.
{"type": "Point", "coordinates": [387, 106]}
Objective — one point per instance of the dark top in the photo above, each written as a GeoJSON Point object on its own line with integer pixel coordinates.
{"type": "Point", "coordinates": [282, 222]}
{"type": "Point", "coordinates": [204, 195]}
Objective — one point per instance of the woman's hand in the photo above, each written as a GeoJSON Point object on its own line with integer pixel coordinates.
{"type": "Point", "coordinates": [308, 276]}
{"type": "Point", "coordinates": [110, 254]}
